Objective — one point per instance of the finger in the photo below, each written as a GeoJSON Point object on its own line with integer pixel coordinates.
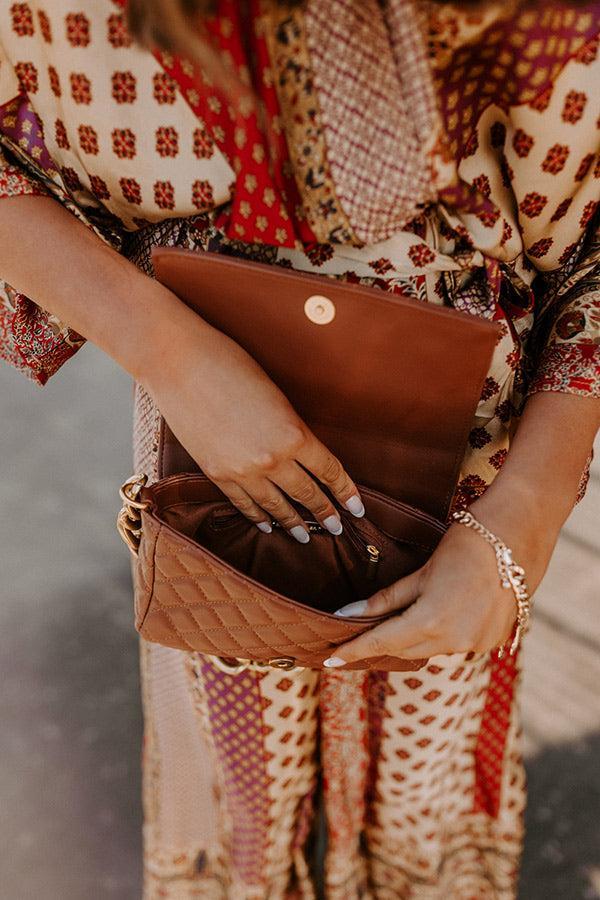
{"type": "Point", "coordinates": [246, 505]}
{"type": "Point", "coordinates": [397, 596]}
{"type": "Point", "coordinates": [268, 496]}
{"type": "Point", "coordinates": [298, 485]}
{"type": "Point", "coordinates": [389, 638]}
{"type": "Point", "coordinates": [328, 469]}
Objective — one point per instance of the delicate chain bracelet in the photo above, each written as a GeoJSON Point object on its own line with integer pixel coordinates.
{"type": "Point", "coordinates": [511, 575]}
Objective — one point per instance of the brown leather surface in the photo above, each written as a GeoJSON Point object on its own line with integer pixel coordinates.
{"type": "Point", "coordinates": [191, 593]}
{"type": "Point", "coordinates": [390, 385]}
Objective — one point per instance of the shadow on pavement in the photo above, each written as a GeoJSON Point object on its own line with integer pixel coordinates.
{"type": "Point", "coordinates": [562, 848]}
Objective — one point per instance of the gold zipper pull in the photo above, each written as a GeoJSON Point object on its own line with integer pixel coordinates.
{"type": "Point", "coordinates": [374, 554]}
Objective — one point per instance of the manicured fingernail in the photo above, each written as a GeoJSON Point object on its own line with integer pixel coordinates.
{"type": "Point", "coordinates": [333, 661]}
{"type": "Point", "coordinates": [358, 608]}
{"type": "Point", "coordinates": [300, 533]}
{"type": "Point", "coordinates": [333, 525]}
{"type": "Point", "coordinates": [264, 526]}
{"type": "Point", "coordinates": [355, 506]}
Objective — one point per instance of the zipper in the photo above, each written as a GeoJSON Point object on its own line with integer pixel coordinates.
{"type": "Point", "coordinates": [312, 527]}
{"type": "Point", "coordinates": [372, 552]}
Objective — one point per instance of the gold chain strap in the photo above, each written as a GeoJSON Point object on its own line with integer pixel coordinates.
{"type": "Point", "coordinates": [129, 526]}
{"type": "Point", "coordinates": [235, 665]}
{"type": "Point", "coordinates": [511, 575]}
{"type": "Point", "coordinates": [129, 520]}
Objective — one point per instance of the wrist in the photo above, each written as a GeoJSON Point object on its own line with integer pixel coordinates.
{"type": "Point", "coordinates": [525, 503]}
{"type": "Point", "coordinates": [158, 324]}
{"type": "Point", "coordinates": [519, 516]}
{"type": "Point", "coordinates": [179, 349]}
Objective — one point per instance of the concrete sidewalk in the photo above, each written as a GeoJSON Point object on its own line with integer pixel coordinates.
{"type": "Point", "coordinates": [70, 739]}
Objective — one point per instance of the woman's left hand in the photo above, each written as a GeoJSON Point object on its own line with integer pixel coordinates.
{"type": "Point", "coordinates": [455, 602]}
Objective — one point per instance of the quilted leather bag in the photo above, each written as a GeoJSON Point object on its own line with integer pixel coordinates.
{"type": "Point", "coordinates": [397, 414]}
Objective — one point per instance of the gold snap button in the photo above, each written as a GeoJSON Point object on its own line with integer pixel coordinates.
{"type": "Point", "coordinates": [319, 309]}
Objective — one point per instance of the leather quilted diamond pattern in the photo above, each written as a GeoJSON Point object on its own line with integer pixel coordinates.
{"type": "Point", "coordinates": [195, 602]}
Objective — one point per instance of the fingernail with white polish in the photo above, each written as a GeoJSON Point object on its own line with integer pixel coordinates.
{"type": "Point", "coordinates": [334, 661]}
{"type": "Point", "coordinates": [300, 533]}
{"type": "Point", "coordinates": [333, 525]}
{"type": "Point", "coordinates": [264, 526]}
{"type": "Point", "coordinates": [355, 506]}
{"type": "Point", "coordinates": [358, 608]}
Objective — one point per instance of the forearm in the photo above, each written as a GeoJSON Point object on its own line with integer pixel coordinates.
{"type": "Point", "coordinates": [536, 488]}
{"type": "Point", "coordinates": [225, 410]}
{"type": "Point", "coordinates": [47, 254]}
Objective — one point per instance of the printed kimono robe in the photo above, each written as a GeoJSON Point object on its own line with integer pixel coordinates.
{"type": "Point", "coordinates": [371, 785]}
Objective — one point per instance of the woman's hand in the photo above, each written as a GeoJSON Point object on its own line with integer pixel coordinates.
{"type": "Point", "coordinates": [244, 434]}
{"type": "Point", "coordinates": [455, 602]}
{"type": "Point", "coordinates": [219, 403]}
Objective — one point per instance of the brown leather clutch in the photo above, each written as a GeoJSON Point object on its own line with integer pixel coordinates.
{"type": "Point", "coordinates": [389, 384]}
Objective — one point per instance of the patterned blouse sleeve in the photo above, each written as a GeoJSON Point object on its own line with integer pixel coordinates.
{"type": "Point", "coordinates": [31, 339]}
{"type": "Point", "coordinates": [567, 333]}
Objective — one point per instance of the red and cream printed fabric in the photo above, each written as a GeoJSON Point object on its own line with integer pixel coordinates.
{"type": "Point", "coordinates": [114, 121]}
{"type": "Point", "coordinates": [504, 158]}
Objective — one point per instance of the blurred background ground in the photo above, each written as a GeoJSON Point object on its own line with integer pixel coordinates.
{"type": "Point", "coordinates": [71, 725]}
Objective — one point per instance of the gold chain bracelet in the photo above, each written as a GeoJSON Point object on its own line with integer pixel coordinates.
{"type": "Point", "coordinates": [511, 575]}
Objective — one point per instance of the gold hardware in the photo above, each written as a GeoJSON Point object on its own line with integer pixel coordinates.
{"type": "Point", "coordinates": [130, 490]}
{"type": "Point", "coordinates": [129, 520]}
{"type": "Point", "coordinates": [374, 554]}
{"type": "Point", "coordinates": [319, 309]}
{"type": "Point", "coordinates": [283, 662]}
{"type": "Point", "coordinates": [234, 666]}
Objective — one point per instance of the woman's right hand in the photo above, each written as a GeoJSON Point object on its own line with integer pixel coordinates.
{"type": "Point", "coordinates": [245, 435]}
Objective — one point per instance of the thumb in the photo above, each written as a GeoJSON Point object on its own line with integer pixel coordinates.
{"type": "Point", "coordinates": [388, 638]}
{"type": "Point", "coordinates": [397, 596]}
